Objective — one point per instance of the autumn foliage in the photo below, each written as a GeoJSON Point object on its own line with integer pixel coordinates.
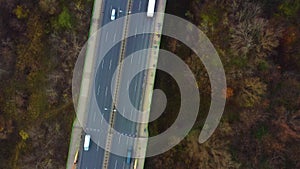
{"type": "Point", "coordinates": [258, 43]}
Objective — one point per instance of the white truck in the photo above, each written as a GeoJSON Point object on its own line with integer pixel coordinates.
{"type": "Point", "coordinates": [151, 8]}
{"type": "Point", "coordinates": [86, 144]}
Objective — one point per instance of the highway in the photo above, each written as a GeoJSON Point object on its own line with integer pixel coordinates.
{"type": "Point", "coordinates": [134, 43]}
{"type": "Point", "coordinates": [93, 158]}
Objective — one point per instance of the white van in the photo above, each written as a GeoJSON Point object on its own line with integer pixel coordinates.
{"type": "Point", "coordinates": [87, 140]}
{"type": "Point", "coordinates": [151, 8]}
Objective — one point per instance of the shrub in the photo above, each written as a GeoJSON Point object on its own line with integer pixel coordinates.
{"type": "Point", "coordinates": [64, 19]}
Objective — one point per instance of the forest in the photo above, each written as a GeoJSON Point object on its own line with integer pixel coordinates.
{"type": "Point", "coordinates": [40, 42]}
{"type": "Point", "coordinates": [257, 41]}
{"type": "Point", "coordinates": [259, 45]}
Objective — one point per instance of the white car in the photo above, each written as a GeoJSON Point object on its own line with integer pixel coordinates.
{"type": "Point", "coordinates": [113, 14]}
{"type": "Point", "coordinates": [87, 140]}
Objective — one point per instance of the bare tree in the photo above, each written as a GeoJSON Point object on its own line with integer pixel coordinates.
{"type": "Point", "coordinates": [252, 36]}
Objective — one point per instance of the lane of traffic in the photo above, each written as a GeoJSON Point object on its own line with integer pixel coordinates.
{"type": "Point", "coordinates": [123, 125]}
{"type": "Point", "coordinates": [94, 157]}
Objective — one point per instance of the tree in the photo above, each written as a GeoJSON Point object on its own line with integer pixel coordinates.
{"type": "Point", "coordinates": [64, 19]}
{"type": "Point", "coordinates": [213, 153]}
{"type": "Point", "coordinates": [287, 92]}
{"type": "Point", "coordinates": [21, 12]}
{"type": "Point", "coordinates": [289, 46]}
{"type": "Point", "coordinates": [252, 89]}
{"type": "Point", "coordinates": [290, 8]}
{"type": "Point", "coordinates": [49, 6]}
{"type": "Point", "coordinates": [228, 92]}
{"type": "Point", "coordinates": [252, 36]}
{"type": "Point", "coordinates": [30, 54]}
{"type": "Point", "coordinates": [6, 127]}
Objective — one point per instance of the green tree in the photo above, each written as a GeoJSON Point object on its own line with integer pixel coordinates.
{"type": "Point", "coordinates": [21, 12]}
{"type": "Point", "coordinates": [64, 19]}
{"type": "Point", "coordinates": [290, 8]}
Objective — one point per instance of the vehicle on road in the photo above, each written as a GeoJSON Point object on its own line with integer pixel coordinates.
{"type": "Point", "coordinates": [113, 14]}
{"type": "Point", "coordinates": [76, 158]}
{"type": "Point", "coordinates": [129, 154]}
{"type": "Point", "coordinates": [135, 164]}
{"type": "Point", "coordinates": [151, 8]}
{"type": "Point", "coordinates": [87, 140]}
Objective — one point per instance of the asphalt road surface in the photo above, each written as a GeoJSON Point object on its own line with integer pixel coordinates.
{"type": "Point", "coordinates": [136, 86]}
{"type": "Point", "coordinates": [93, 158]}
